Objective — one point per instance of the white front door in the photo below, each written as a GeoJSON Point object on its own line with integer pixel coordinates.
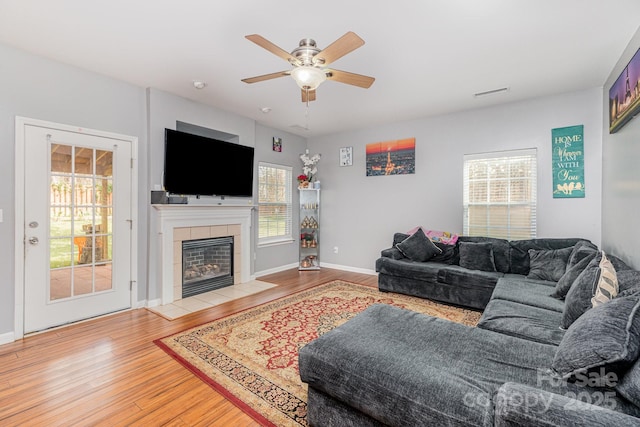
{"type": "Point", "coordinates": [77, 226]}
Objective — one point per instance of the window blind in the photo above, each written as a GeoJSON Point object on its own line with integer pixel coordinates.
{"type": "Point", "coordinates": [499, 194]}
{"type": "Point", "coordinates": [274, 203]}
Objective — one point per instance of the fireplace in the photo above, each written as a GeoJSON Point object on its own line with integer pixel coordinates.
{"type": "Point", "coordinates": [207, 264]}
{"type": "Point", "coordinates": [177, 223]}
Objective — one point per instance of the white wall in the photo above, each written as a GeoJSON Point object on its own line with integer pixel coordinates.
{"type": "Point", "coordinates": [164, 109]}
{"type": "Point", "coordinates": [38, 88]}
{"type": "Point", "coordinates": [621, 176]}
{"type": "Point", "coordinates": [275, 257]}
{"type": "Point", "coordinates": [361, 213]}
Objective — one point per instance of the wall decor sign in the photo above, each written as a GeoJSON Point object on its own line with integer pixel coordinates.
{"type": "Point", "coordinates": [624, 95]}
{"type": "Point", "coordinates": [567, 146]}
{"type": "Point", "coordinates": [277, 144]}
{"type": "Point", "coordinates": [346, 156]}
{"type": "Point", "coordinates": [391, 157]}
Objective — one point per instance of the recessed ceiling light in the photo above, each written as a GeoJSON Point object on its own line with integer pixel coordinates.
{"type": "Point", "coordinates": [266, 110]}
{"type": "Point", "coordinates": [198, 84]}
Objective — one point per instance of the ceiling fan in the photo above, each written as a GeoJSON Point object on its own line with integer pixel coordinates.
{"type": "Point", "coordinates": [309, 63]}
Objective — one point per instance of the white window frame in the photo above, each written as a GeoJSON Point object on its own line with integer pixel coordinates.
{"type": "Point", "coordinates": [503, 229]}
{"type": "Point", "coordinates": [287, 234]}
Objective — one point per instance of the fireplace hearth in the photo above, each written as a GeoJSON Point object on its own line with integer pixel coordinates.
{"type": "Point", "coordinates": [207, 264]}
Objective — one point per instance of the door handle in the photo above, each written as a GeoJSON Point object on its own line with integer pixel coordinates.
{"type": "Point", "coordinates": [33, 240]}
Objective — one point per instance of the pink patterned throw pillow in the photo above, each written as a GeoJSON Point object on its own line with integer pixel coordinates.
{"type": "Point", "coordinates": [444, 237]}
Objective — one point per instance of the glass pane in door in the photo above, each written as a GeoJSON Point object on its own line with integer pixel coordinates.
{"type": "Point", "coordinates": [80, 223]}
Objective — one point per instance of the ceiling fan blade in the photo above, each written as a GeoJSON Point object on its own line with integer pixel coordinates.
{"type": "Point", "coordinates": [345, 44]}
{"type": "Point", "coordinates": [266, 77]}
{"type": "Point", "coordinates": [266, 44]}
{"type": "Point", "coordinates": [308, 96]}
{"type": "Point", "coordinates": [350, 78]}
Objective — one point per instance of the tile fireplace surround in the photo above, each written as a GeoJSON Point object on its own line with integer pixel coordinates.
{"type": "Point", "coordinates": [176, 223]}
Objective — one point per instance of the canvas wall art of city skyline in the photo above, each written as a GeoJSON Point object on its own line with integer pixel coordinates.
{"type": "Point", "coordinates": [391, 157]}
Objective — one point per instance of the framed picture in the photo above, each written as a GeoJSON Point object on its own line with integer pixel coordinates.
{"type": "Point", "coordinates": [277, 144]}
{"type": "Point", "coordinates": [391, 157]}
{"type": "Point", "coordinates": [624, 98]}
{"type": "Point", "coordinates": [346, 156]}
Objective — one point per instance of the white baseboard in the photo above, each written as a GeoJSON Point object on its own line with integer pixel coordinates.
{"type": "Point", "coordinates": [348, 268]}
{"type": "Point", "coordinates": [257, 274]}
{"type": "Point", "coordinates": [7, 338]}
{"type": "Point", "coordinates": [322, 264]}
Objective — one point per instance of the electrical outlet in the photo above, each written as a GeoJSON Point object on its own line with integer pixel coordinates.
{"type": "Point", "coordinates": [335, 249]}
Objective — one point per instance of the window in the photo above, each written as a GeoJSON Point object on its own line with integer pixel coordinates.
{"type": "Point", "coordinates": [500, 194]}
{"type": "Point", "coordinates": [274, 203]}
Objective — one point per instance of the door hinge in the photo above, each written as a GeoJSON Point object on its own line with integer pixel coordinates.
{"type": "Point", "coordinates": [132, 163]}
{"type": "Point", "coordinates": [131, 282]}
{"type": "Point", "coordinates": [130, 221]}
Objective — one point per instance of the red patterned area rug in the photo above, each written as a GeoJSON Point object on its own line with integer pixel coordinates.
{"type": "Point", "coordinates": [251, 357]}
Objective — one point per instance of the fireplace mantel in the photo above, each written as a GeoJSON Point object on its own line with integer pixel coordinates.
{"type": "Point", "coordinates": [170, 217]}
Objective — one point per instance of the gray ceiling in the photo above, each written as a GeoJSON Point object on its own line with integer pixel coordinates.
{"type": "Point", "coordinates": [429, 57]}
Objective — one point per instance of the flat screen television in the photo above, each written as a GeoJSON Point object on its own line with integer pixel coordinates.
{"type": "Point", "coordinates": [200, 166]}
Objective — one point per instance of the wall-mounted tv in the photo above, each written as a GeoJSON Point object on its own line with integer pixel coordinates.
{"type": "Point", "coordinates": [200, 166]}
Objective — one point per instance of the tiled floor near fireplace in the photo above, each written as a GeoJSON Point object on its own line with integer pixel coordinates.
{"type": "Point", "coordinates": [209, 299]}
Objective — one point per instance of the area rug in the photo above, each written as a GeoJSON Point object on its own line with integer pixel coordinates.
{"type": "Point", "coordinates": [251, 357]}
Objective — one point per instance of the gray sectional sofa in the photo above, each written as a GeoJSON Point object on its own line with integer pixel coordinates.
{"type": "Point", "coordinates": [542, 354]}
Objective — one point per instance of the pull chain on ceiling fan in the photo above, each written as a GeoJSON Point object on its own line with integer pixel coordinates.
{"type": "Point", "coordinates": [309, 64]}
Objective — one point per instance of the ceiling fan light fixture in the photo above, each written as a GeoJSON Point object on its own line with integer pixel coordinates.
{"type": "Point", "coordinates": [308, 77]}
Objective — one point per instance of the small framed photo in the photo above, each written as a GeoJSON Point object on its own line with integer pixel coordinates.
{"type": "Point", "coordinates": [346, 156]}
{"type": "Point", "coordinates": [277, 144]}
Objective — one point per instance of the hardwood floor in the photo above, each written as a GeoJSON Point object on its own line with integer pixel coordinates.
{"type": "Point", "coordinates": [108, 372]}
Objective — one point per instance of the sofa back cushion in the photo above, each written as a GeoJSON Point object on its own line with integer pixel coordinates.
{"type": "Point", "coordinates": [500, 248]}
{"type": "Point", "coordinates": [606, 336]}
{"type": "Point", "coordinates": [519, 251]}
{"type": "Point", "coordinates": [548, 265]}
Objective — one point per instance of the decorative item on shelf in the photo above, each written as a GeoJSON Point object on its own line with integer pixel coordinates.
{"type": "Point", "coordinates": [306, 263]}
{"type": "Point", "coordinates": [303, 182]}
{"type": "Point", "coordinates": [309, 169]}
{"type": "Point", "coordinates": [305, 223]}
{"type": "Point", "coordinates": [313, 244]}
{"type": "Point", "coordinates": [313, 223]}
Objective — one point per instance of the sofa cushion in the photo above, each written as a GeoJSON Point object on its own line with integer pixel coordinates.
{"type": "Point", "coordinates": [522, 321]}
{"type": "Point", "coordinates": [477, 256]}
{"type": "Point", "coordinates": [529, 292]}
{"type": "Point", "coordinates": [572, 273]}
{"type": "Point", "coordinates": [629, 385]}
{"type": "Point", "coordinates": [580, 250]}
{"type": "Point", "coordinates": [578, 298]}
{"type": "Point", "coordinates": [425, 271]}
{"type": "Point", "coordinates": [548, 264]}
{"type": "Point", "coordinates": [412, 376]}
{"type": "Point", "coordinates": [607, 336]}
{"type": "Point", "coordinates": [607, 285]}
{"type": "Point", "coordinates": [500, 250]}
{"type": "Point", "coordinates": [418, 247]}
{"type": "Point", "coordinates": [628, 279]}
{"type": "Point", "coordinates": [519, 251]}
{"type": "Point", "coordinates": [449, 253]}
{"type": "Point", "coordinates": [456, 275]}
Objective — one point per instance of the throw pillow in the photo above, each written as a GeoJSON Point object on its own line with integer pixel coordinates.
{"type": "Point", "coordinates": [580, 250]}
{"type": "Point", "coordinates": [548, 265]}
{"type": "Point", "coordinates": [418, 247]}
{"type": "Point", "coordinates": [629, 385]}
{"type": "Point", "coordinates": [570, 276]}
{"type": "Point", "coordinates": [578, 298]}
{"type": "Point", "coordinates": [628, 279]}
{"type": "Point", "coordinates": [448, 254]}
{"type": "Point", "coordinates": [606, 336]}
{"type": "Point", "coordinates": [607, 284]}
{"type": "Point", "coordinates": [477, 256]}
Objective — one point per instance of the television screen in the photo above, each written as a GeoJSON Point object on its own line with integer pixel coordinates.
{"type": "Point", "coordinates": [200, 166]}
